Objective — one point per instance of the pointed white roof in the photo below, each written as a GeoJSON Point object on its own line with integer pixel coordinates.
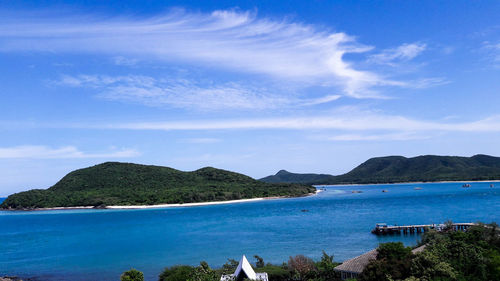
{"type": "Point", "coordinates": [245, 266]}
{"type": "Point", "coordinates": [245, 270]}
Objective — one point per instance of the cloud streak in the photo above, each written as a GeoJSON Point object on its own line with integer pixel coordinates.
{"type": "Point", "coordinates": [183, 93]}
{"type": "Point", "coordinates": [44, 152]}
{"type": "Point", "coordinates": [203, 140]}
{"type": "Point", "coordinates": [493, 51]}
{"type": "Point", "coordinates": [362, 122]}
{"type": "Point", "coordinates": [405, 52]}
{"type": "Point", "coordinates": [231, 40]}
{"type": "Point", "coordinates": [404, 136]}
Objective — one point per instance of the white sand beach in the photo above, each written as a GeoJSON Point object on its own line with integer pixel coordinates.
{"type": "Point", "coordinates": [172, 205]}
{"type": "Point", "coordinates": [186, 204]}
{"type": "Point", "coordinates": [202, 203]}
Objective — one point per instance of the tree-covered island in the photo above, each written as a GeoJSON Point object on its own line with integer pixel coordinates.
{"type": "Point", "coordinates": [394, 169]}
{"type": "Point", "coordinates": [114, 183]}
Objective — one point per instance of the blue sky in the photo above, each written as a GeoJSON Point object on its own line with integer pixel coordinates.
{"type": "Point", "coordinates": [248, 86]}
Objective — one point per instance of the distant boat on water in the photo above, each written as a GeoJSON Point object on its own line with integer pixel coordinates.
{"type": "Point", "coordinates": [466, 185]}
{"type": "Point", "coordinates": [418, 188]}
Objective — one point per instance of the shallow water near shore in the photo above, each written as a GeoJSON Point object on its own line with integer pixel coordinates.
{"type": "Point", "coordinates": [100, 244]}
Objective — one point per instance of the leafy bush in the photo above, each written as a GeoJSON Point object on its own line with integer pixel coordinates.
{"type": "Point", "coordinates": [132, 275]}
{"type": "Point", "coordinates": [176, 273]}
{"type": "Point", "coordinates": [326, 268]}
{"type": "Point", "coordinates": [204, 273]}
{"type": "Point", "coordinates": [302, 267]}
{"type": "Point", "coordinates": [275, 272]}
{"type": "Point", "coordinates": [393, 260]}
{"type": "Point", "coordinates": [260, 261]}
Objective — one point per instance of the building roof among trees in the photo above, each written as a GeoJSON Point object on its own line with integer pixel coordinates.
{"type": "Point", "coordinates": [358, 264]}
{"type": "Point", "coordinates": [245, 270]}
{"type": "Point", "coordinates": [418, 249]}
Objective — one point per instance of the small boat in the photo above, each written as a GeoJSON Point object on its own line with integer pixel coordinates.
{"type": "Point", "coordinates": [385, 190]}
{"type": "Point", "coordinates": [304, 210]}
{"type": "Point", "coordinates": [466, 185]}
{"type": "Point", "coordinates": [418, 188]}
{"type": "Point", "coordinates": [357, 191]}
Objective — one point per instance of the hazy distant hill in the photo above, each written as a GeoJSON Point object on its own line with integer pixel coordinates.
{"type": "Point", "coordinates": [115, 183]}
{"type": "Point", "coordinates": [287, 177]}
{"type": "Point", "coordinates": [401, 169]}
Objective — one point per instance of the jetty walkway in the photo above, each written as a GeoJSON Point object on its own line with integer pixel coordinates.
{"type": "Point", "coordinates": [382, 228]}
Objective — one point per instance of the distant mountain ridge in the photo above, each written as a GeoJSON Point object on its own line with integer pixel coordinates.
{"type": "Point", "coordinates": [285, 176]}
{"type": "Point", "coordinates": [114, 183]}
{"type": "Point", "coordinates": [392, 169]}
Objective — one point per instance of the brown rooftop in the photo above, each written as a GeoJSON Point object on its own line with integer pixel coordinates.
{"type": "Point", "coordinates": [358, 264]}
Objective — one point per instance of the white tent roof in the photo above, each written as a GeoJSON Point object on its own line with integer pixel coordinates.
{"type": "Point", "coordinates": [246, 269]}
{"type": "Point", "coordinates": [245, 266]}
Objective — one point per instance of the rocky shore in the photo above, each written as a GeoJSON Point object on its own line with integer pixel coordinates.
{"type": "Point", "coordinates": [10, 278]}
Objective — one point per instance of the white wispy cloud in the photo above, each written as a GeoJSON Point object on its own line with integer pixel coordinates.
{"type": "Point", "coordinates": [184, 93]}
{"type": "Point", "coordinates": [405, 52]}
{"type": "Point", "coordinates": [232, 40]}
{"type": "Point", "coordinates": [492, 50]}
{"type": "Point", "coordinates": [202, 140]}
{"type": "Point", "coordinates": [325, 99]}
{"type": "Point", "coordinates": [404, 136]}
{"type": "Point", "coordinates": [359, 122]}
{"type": "Point", "coordinates": [123, 61]}
{"type": "Point", "coordinates": [425, 83]}
{"type": "Point", "coordinates": [45, 152]}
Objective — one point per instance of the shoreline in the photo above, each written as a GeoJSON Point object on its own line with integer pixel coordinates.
{"type": "Point", "coordinates": [160, 206]}
{"type": "Point", "coordinates": [406, 182]}
{"type": "Point", "coordinates": [197, 204]}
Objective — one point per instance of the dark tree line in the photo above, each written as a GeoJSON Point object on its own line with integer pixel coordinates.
{"type": "Point", "coordinates": [131, 184]}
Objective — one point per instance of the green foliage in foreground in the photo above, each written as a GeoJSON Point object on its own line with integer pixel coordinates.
{"type": "Point", "coordinates": [115, 183]}
{"type": "Point", "coordinates": [452, 255]}
{"type": "Point", "coordinates": [132, 275]}
{"type": "Point", "coordinates": [298, 268]}
{"type": "Point", "coordinates": [393, 169]}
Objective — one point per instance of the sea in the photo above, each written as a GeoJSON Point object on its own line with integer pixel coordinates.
{"type": "Point", "coordinates": [101, 244]}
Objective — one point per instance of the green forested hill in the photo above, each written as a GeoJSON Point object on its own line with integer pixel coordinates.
{"type": "Point", "coordinates": [401, 169]}
{"type": "Point", "coordinates": [424, 168]}
{"type": "Point", "coordinates": [115, 183]}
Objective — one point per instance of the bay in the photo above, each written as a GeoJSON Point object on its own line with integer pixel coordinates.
{"type": "Point", "coordinates": [100, 244]}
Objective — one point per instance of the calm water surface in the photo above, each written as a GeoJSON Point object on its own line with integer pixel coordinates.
{"type": "Point", "coordinates": [100, 244]}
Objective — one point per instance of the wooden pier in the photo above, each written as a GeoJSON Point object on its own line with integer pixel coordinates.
{"type": "Point", "coordinates": [383, 229]}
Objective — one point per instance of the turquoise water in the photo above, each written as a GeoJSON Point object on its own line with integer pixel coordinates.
{"type": "Point", "coordinates": [100, 244]}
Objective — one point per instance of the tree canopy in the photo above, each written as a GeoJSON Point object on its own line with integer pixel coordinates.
{"type": "Point", "coordinates": [450, 255]}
